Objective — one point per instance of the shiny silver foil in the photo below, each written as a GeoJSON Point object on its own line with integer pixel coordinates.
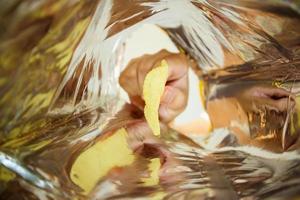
{"type": "Point", "coordinates": [59, 67]}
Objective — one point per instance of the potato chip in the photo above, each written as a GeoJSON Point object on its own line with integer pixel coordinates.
{"type": "Point", "coordinates": [95, 162]}
{"type": "Point", "coordinates": [153, 89]}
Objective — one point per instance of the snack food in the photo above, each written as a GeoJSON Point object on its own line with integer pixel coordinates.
{"type": "Point", "coordinates": [153, 89]}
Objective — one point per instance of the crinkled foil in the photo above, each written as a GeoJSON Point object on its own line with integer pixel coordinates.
{"type": "Point", "coordinates": [59, 67]}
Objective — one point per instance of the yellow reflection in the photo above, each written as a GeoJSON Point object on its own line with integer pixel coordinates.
{"type": "Point", "coordinates": [153, 179]}
{"type": "Point", "coordinates": [3, 81]}
{"type": "Point", "coordinates": [6, 175]}
{"type": "Point", "coordinates": [94, 163]}
{"type": "Point", "coordinates": [153, 167]}
{"type": "Point", "coordinates": [298, 109]}
{"type": "Point", "coordinates": [202, 93]}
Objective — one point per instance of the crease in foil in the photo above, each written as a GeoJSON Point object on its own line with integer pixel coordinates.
{"type": "Point", "coordinates": [60, 62]}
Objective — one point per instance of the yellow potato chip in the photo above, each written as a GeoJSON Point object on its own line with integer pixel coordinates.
{"type": "Point", "coordinates": [153, 89]}
{"type": "Point", "coordinates": [95, 162]}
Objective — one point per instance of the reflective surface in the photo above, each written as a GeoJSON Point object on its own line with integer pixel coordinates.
{"type": "Point", "coordinates": [68, 133]}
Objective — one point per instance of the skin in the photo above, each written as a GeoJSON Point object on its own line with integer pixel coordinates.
{"type": "Point", "coordinates": [227, 105]}
{"type": "Point", "coordinates": [235, 104]}
{"type": "Point", "coordinates": [173, 102]}
{"type": "Point", "coordinates": [174, 98]}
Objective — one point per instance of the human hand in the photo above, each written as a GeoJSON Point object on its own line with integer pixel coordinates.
{"type": "Point", "coordinates": [174, 98]}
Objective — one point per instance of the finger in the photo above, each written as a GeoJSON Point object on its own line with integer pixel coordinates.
{"type": "Point", "coordinates": [172, 104]}
{"type": "Point", "coordinates": [174, 99]}
{"type": "Point", "coordinates": [137, 101]}
{"type": "Point", "coordinates": [147, 64]}
{"type": "Point", "coordinates": [132, 78]}
{"type": "Point", "coordinates": [178, 71]}
{"type": "Point", "coordinates": [181, 84]}
{"type": "Point", "coordinates": [128, 78]}
{"type": "Point", "coordinates": [139, 134]}
{"type": "Point", "coordinates": [178, 66]}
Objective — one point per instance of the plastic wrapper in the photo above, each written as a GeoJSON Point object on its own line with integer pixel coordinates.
{"type": "Point", "coordinates": [64, 119]}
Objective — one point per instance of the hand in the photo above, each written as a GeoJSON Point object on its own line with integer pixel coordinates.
{"type": "Point", "coordinates": [174, 98]}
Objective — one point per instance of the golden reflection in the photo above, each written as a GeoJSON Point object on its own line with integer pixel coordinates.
{"type": "Point", "coordinates": [153, 178]}
{"type": "Point", "coordinates": [94, 163]}
{"type": "Point", "coordinates": [6, 175]}
{"type": "Point", "coordinates": [252, 101]}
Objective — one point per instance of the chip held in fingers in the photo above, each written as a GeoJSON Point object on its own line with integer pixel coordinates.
{"type": "Point", "coordinates": [153, 89]}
